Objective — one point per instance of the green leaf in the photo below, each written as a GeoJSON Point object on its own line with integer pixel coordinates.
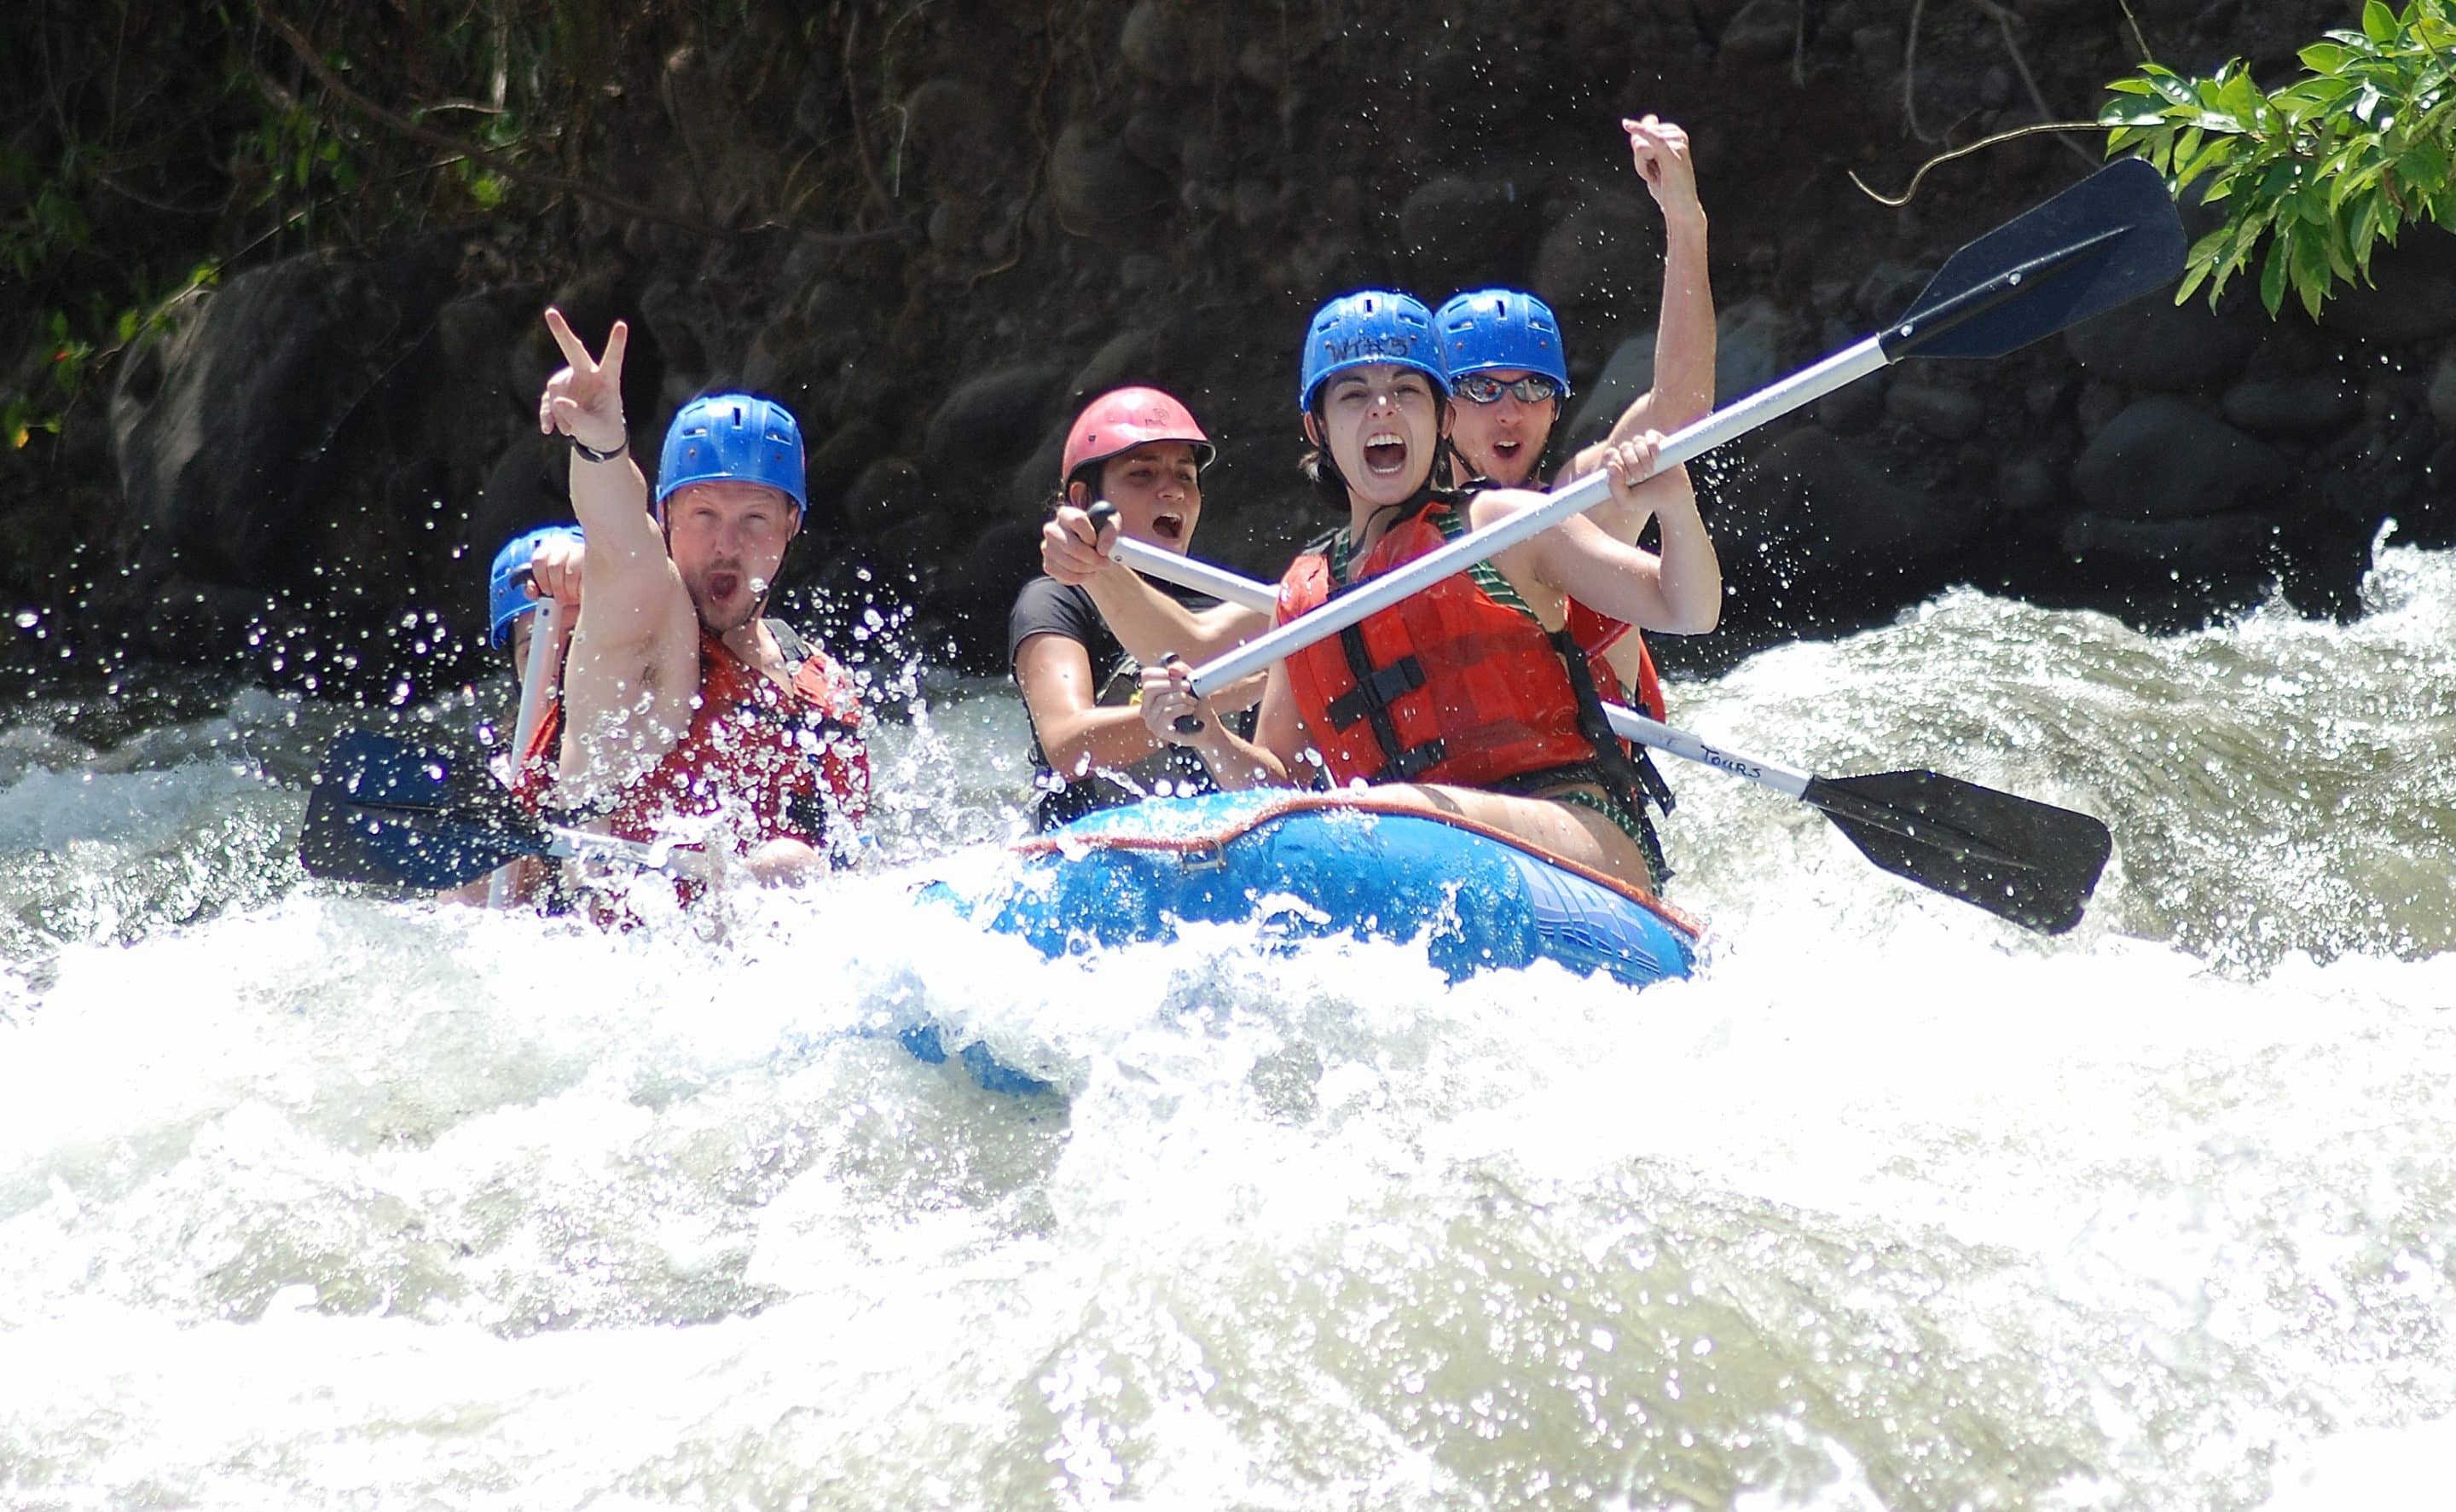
{"type": "Point", "coordinates": [2239, 97]}
{"type": "Point", "coordinates": [2167, 83]}
{"type": "Point", "coordinates": [2209, 156]}
{"type": "Point", "coordinates": [2324, 57]}
{"type": "Point", "coordinates": [2379, 21]}
{"type": "Point", "coordinates": [2424, 162]}
{"type": "Point", "coordinates": [2194, 274]}
{"type": "Point", "coordinates": [2310, 271]}
{"type": "Point", "coordinates": [2272, 277]}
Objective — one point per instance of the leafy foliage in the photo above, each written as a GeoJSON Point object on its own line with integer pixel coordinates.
{"type": "Point", "coordinates": [2322, 168]}
{"type": "Point", "coordinates": [164, 147]}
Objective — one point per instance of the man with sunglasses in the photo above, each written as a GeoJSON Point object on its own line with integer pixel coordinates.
{"type": "Point", "coordinates": [1509, 369]}
{"type": "Point", "coordinates": [1509, 378]}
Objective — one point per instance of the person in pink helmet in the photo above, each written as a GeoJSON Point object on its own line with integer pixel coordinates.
{"type": "Point", "coordinates": [1140, 450]}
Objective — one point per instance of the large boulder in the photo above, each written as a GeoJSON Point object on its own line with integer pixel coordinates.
{"type": "Point", "coordinates": [987, 426]}
{"type": "Point", "coordinates": [1627, 373]}
{"type": "Point", "coordinates": [1468, 233]}
{"type": "Point", "coordinates": [1603, 250]}
{"type": "Point", "coordinates": [1750, 338]}
{"type": "Point", "coordinates": [280, 413]}
{"type": "Point", "coordinates": [2302, 406]}
{"type": "Point", "coordinates": [2163, 459]}
{"type": "Point", "coordinates": [2412, 297]}
{"type": "Point", "coordinates": [2442, 394]}
{"type": "Point", "coordinates": [1099, 187]}
{"type": "Point", "coordinates": [2155, 343]}
{"type": "Point", "coordinates": [1841, 510]}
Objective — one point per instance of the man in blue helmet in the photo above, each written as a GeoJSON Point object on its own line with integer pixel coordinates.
{"type": "Point", "coordinates": [1509, 364]}
{"type": "Point", "coordinates": [689, 714]}
{"type": "Point", "coordinates": [1508, 368]}
{"type": "Point", "coordinates": [532, 567]}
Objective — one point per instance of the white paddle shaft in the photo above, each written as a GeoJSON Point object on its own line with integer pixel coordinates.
{"type": "Point", "coordinates": [1802, 387]}
{"type": "Point", "coordinates": [540, 668]}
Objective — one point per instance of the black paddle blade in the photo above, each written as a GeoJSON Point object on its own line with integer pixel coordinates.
{"type": "Point", "coordinates": [2110, 238]}
{"type": "Point", "coordinates": [2025, 861]}
{"type": "Point", "coordinates": [390, 812]}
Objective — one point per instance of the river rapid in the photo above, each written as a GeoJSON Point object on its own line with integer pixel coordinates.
{"type": "Point", "coordinates": [312, 1197]}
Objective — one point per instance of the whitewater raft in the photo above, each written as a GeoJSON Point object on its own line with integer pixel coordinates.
{"type": "Point", "coordinates": [1310, 865]}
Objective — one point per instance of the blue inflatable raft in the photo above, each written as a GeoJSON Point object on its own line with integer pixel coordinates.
{"type": "Point", "coordinates": [1308, 866]}
{"type": "Point", "coordinates": [1317, 865]}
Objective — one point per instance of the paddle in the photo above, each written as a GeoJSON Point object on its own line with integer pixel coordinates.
{"type": "Point", "coordinates": [387, 811]}
{"type": "Point", "coordinates": [2107, 239]}
{"type": "Point", "coordinates": [542, 667]}
{"type": "Point", "coordinates": [2019, 859]}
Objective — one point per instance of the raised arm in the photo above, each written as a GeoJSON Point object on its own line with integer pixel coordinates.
{"type": "Point", "coordinates": [632, 587]}
{"type": "Point", "coordinates": [1683, 390]}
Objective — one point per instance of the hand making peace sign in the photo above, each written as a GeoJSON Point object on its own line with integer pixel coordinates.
{"type": "Point", "coordinates": [585, 400]}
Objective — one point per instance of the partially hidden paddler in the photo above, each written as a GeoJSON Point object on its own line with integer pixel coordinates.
{"type": "Point", "coordinates": [1507, 363]}
{"type": "Point", "coordinates": [1140, 450]}
{"type": "Point", "coordinates": [1459, 699]}
{"type": "Point", "coordinates": [530, 569]}
{"type": "Point", "coordinates": [687, 713]}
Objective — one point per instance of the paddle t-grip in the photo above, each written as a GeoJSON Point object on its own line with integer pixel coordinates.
{"type": "Point", "coordinates": [1184, 724]}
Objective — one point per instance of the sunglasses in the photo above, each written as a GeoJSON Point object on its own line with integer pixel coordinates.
{"type": "Point", "coordinates": [1483, 388]}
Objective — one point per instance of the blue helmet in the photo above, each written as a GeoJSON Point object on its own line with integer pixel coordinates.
{"type": "Point", "coordinates": [505, 603]}
{"type": "Point", "coordinates": [1501, 328]}
{"type": "Point", "coordinates": [733, 438]}
{"type": "Point", "coordinates": [1369, 326]}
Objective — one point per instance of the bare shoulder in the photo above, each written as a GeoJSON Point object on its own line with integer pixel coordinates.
{"type": "Point", "coordinates": [1490, 505]}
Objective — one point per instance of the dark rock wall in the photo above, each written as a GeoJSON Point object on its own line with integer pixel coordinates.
{"type": "Point", "coordinates": [935, 229]}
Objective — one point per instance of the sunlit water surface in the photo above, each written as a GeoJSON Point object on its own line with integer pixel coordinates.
{"type": "Point", "coordinates": [316, 1198]}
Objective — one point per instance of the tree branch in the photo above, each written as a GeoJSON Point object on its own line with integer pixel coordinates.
{"type": "Point", "coordinates": [1909, 189]}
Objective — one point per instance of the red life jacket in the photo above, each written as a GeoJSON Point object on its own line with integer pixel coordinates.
{"type": "Point", "coordinates": [1445, 685]}
{"type": "Point", "coordinates": [1596, 634]}
{"type": "Point", "coordinates": [774, 762]}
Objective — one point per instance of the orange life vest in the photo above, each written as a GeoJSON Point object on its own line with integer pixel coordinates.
{"type": "Point", "coordinates": [1445, 685]}
{"type": "Point", "coordinates": [773, 761]}
{"type": "Point", "coordinates": [1596, 634]}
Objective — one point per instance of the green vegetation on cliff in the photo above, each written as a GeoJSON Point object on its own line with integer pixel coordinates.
{"type": "Point", "coordinates": [2321, 169]}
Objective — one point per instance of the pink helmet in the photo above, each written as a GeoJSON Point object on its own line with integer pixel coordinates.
{"type": "Point", "coordinates": [1122, 419]}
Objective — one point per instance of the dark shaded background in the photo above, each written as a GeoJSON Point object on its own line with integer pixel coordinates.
{"type": "Point", "coordinates": [934, 226]}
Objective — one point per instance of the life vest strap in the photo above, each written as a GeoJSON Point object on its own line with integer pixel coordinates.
{"type": "Point", "coordinates": [1376, 689]}
{"type": "Point", "coordinates": [1370, 698]}
{"type": "Point", "coordinates": [1625, 777]}
{"type": "Point", "coordinates": [1415, 759]}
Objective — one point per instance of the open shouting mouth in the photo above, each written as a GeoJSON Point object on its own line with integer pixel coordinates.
{"type": "Point", "coordinates": [1169, 527]}
{"type": "Point", "coordinates": [1385, 453]}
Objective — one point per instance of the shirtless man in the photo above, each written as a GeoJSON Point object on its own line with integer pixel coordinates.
{"type": "Point", "coordinates": [689, 714]}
